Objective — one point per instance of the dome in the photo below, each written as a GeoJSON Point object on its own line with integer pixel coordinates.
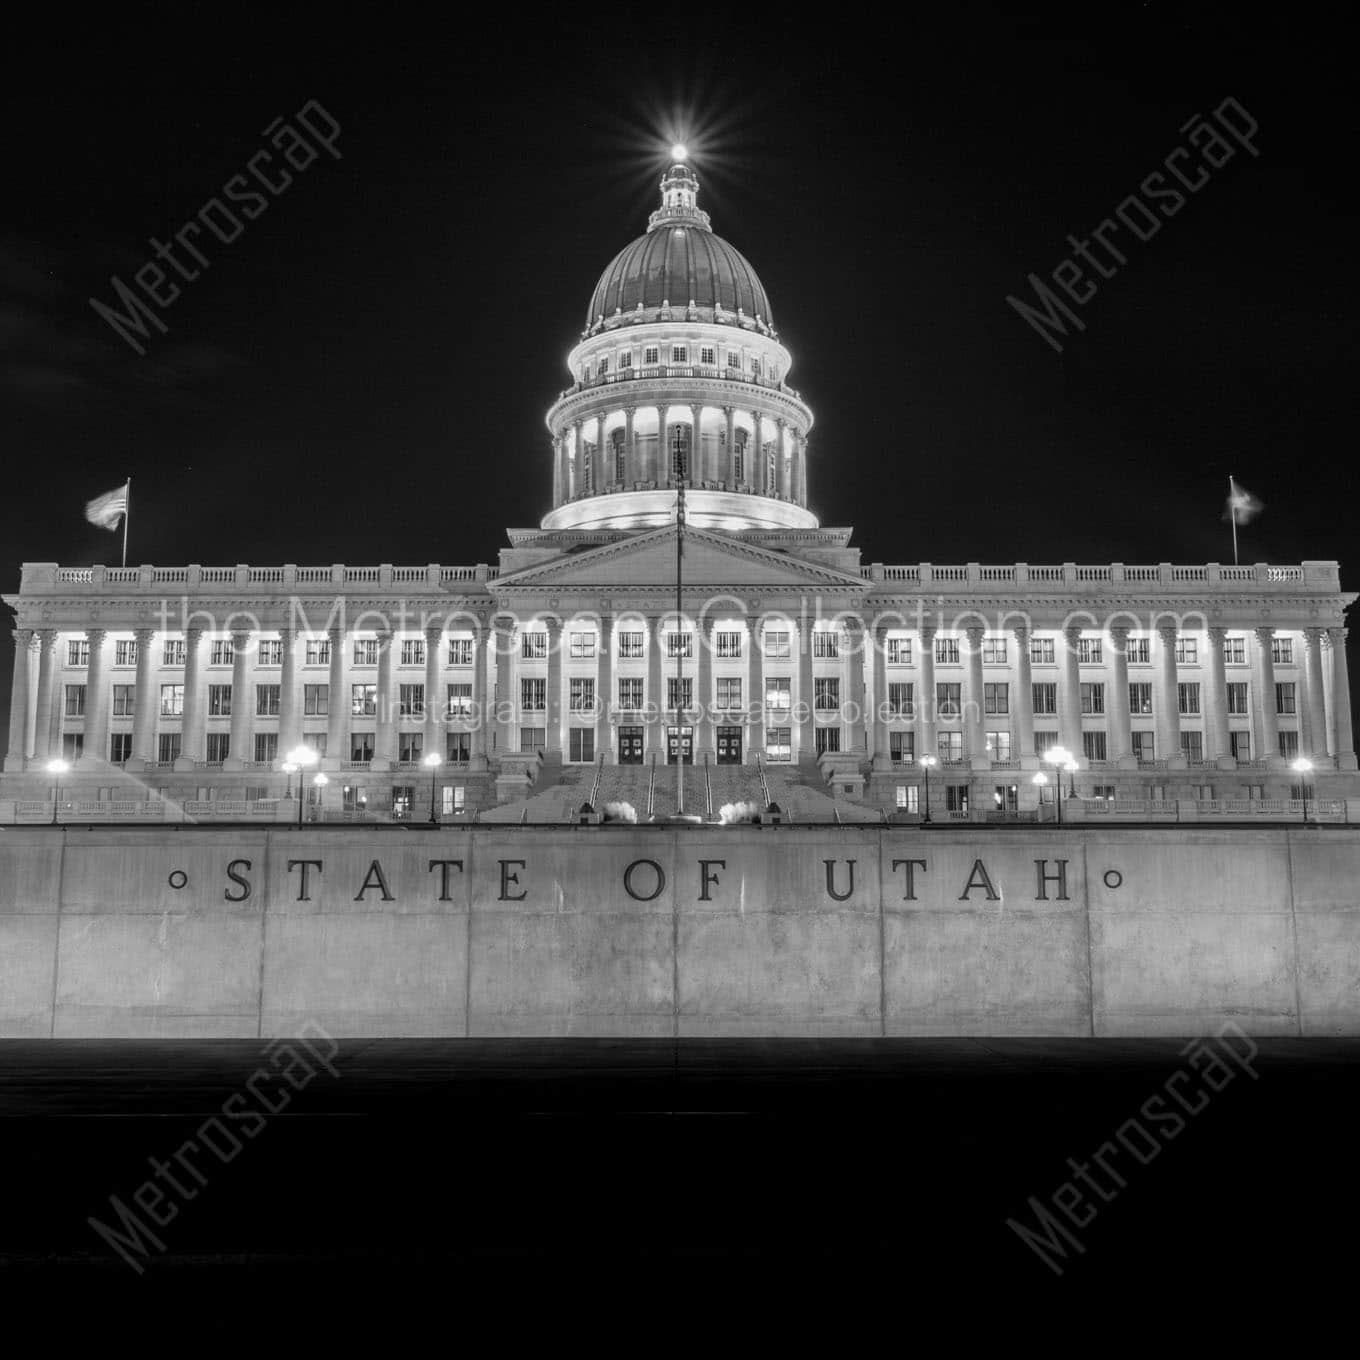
{"type": "Point", "coordinates": [680, 262]}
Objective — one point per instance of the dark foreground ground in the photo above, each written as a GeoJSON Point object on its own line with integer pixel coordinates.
{"type": "Point", "coordinates": [790, 1165]}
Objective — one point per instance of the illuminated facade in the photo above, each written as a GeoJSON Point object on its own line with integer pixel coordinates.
{"type": "Point", "coordinates": [192, 684]}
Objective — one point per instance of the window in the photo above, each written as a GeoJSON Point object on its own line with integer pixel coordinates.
{"type": "Point", "coordinates": [532, 740]}
{"type": "Point", "coordinates": [1138, 650]}
{"type": "Point", "coordinates": [219, 747]}
{"type": "Point", "coordinates": [411, 700]}
{"type": "Point", "coordinates": [365, 651]}
{"type": "Point", "coordinates": [167, 748]}
{"type": "Point", "coordinates": [950, 746]}
{"type": "Point", "coordinates": [125, 652]}
{"type": "Point", "coordinates": [582, 695]}
{"type": "Point", "coordinates": [626, 359]}
{"type": "Point", "coordinates": [1240, 745]}
{"type": "Point", "coordinates": [1140, 700]}
{"type": "Point", "coordinates": [172, 700]}
{"type": "Point", "coordinates": [826, 646]}
{"type": "Point", "coordinates": [996, 698]}
{"type": "Point", "coordinates": [827, 692]}
{"type": "Point", "coordinates": [355, 797]}
{"type": "Point", "coordinates": [588, 470]}
{"type": "Point", "coordinates": [1192, 747]}
{"type": "Point", "coordinates": [266, 746]}
{"type": "Point", "coordinates": [899, 651]}
{"type": "Point", "coordinates": [271, 652]}
{"type": "Point", "coordinates": [826, 739]}
{"type": "Point", "coordinates": [1285, 700]}
{"type": "Point", "coordinates": [630, 694]}
{"type": "Point", "coordinates": [453, 797]}
{"type": "Point", "coordinates": [739, 458]}
{"type": "Point", "coordinates": [778, 743]}
{"type": "Point", "coordinates": [948, 703]}
{"type": "Point", "coordinates": [363, 700]}
{"type": "Point", "coordinates": [679, 693]}
{"type": "Point", "coordinates": [533, 696]}
{"type": "Point", "coordinates": [1235, 650]}
{"type": "Point", "coordinates": [630, 646]}
{"type": "Point", "coordinates": [458, 747]}
{"type": "Point", "coordinates": [728, 645]}
{"type": "Point", "coordinates": [219, 654]}
{"type": "Point", "coordinates": [778, 694]}
{"type": "Point", "coordinates": [999, 745]}
{"type": "Point", "coordinates": [78, 652]}
{"type": "Point", "coordinates": [1187, 697]}
{"type": "Point", "coordinates": [361, 745]}
{"type": "Point", "coordinates": [172, 652]}
{"type": "Point", "coordinates": [124, 699]}
{"type": "Point", "coordinates": [993, 651]}
{"type": "Point", "coordinates": [947, 651]}
{"type": "Point", "coordinates": [1237, 698]}
{"type": "Point", "coordinates": [679, 354]}
{"type": "Point", "coordinates": [460, 651]}
{"type": "Point", "coordinates": [410, 747]}
{"type": "Point", "coordinates": [651, 356]}
{"type": "Point", "coordinates": [1041, 651]}
{"type": "Point", "coordinates": [900, 700]}
{"type": "Point", "coordinates": [317, 742]}
{"type": "Point", "coordinates": [1282, 650]}
{"type": "Point", "coordinates": [1092, 698]}
{"type": "Point", "coordinates": [1090, 651]}
{"type": "Point", "coordinates": [581, 743]}
{"type": "Point", "coordinates": [1093, 743]}
{"type": "Point", "coordinates": [75, 701]}
{"type": "Point", "coordinates": [1006, 797]}
{"type": "Point", "coordinates": [956, 797]}
{"type": "Point", "coordinates": [604, 365]}
{"type": "Point", "coordinates": [316, 700]}
{"type": "Point", "coordinates": [1289, 744]}
{"type": "Point", "coordinates": [679, 644]}
{"type": "Point", "coordinates": [778, 644]}
{"type": "Point", "coordinates": [581, 646]}
{"type": "Point", "coordinates": [413, 651]}
{"type": "Point", "coordinates": [1144, 747]}
{"type": "Point", "coordinates": [266, 701]}
{"type": "Point", "coordinates": [459, 697]}
{"type": "Point", "coordinates": [1045, 698]}
{"type": "Point", "coordinates": [219, 701]}
{"type": "Point", "coordinates": [120, 747]}
{"type": "Point", "coordinates": [902, 792]}
{"type": "Point", "coordinates": [1103, 791]}
{"type": "Point", "coordinates": [1043, 742]}
{"type": "Point", "coordinates": [729, 691]}
{"type": "Point", "coordinates": [318, 652]}
{"type": "Point", "coordinates": [403, 802]}
{"type": "Point", "coordinates": [533, 646]}
{"type": "Point", "coordinates": [755, 367]}
{"type": "Point", "coordinates": [902, 747]}
{"type": "Point", "coordinates": [1187, 651]}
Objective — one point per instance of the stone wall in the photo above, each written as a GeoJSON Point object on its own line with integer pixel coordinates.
{"type": "Point", "coordinates": [113, 931]}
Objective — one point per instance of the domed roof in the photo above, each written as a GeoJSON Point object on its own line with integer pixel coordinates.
{"type": "Point", "coordinates": [680, 262]}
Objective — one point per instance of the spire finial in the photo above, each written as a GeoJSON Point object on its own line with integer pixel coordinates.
{"type": "Point", "coordinates": [679, 196]}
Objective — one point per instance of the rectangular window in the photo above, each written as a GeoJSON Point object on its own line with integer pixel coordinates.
{"type": "Point", "coordinates": [167, 748]}
{"type": "Point", "coordinates": [733, 358]}
{"type": "Point", "coordinates": [679, 354]}
{"type": "Point", "coordinates": [902, 747]}
{"type": "Point", "coordinates": [266, 746]}
{"type": "Point", "coordinates": [900, 700]}
{"type": "Point", "coordinates": [826, 645]}
{"type": "Point", "coordinates": [1045, 698]}
{"type": "Point", "coordinates": [125, 652]}
{"type": "Point", "coordinates": [363, 700]}
{"type": "Point", "coordinates": [1282, 651]}
{"type": "Point", "coordinates": [410, 747]}
{"type": "Point", "coordinates": [778, 692]}
{"type": "Point", "coordinates": [1043, 741]}
{"type": "Point", "coordinates": [365, 651]}
{"type": "Point", "coordinates": [630, 694]}
{"type": "Point", "coordinates": [947, 651]}
{"type": "Point", "coordinates": [1140, 700]}
{"type": "Point", "coordinates": [683, 688]}
{"type": "Point", "coordinates": [826, 739]}
{"type": "Point", "coordinates": [1104, 791]}
{"type": "Point", "coordinates": [316, 700]}
{"type": "Point", "coordinates": [460, 651]}
{"type": "Point", "coordinates": [459, 700]}
{"type": "Point", "coordinates": [1041, 651]}
{"type": "Point", "coordinates": [1093, 743]}
{"type": "Point", "coordinates": [75, 701]}
{"type": "Point", "coordinates": [729, 691]}
{"type": "Point", "coordinates": [778, 644]}
{"type": "Point", "coordinates": [172, 701]}
{"type": "Point", "coordinates": [78, 652]}
{"type": "Point", "coordinates": [993, 651]}
{"type": "Point", "coordinates": [533, 696]}
{"type": "Point", "coordinates": [948, 700]}
{"type": "Point", "coordinates": [317, 741]}
{"type": "Point", "coordinates": [271, 652]}
{"type": "Point", "coordinates": [626, 359]}
{"type": "Point", "coordinates": [120, 747]}
{"type": "Point", "coordinates": [361, 745]}
{"type": "Point", "coordinates": [532, 740]}
{"type": "Point", "coordinates": [172, 652]}
{"type": "Point", "coordinates": [604, 365]}
{"type": "Point", "coordinates": [1192, 747]}
{"type": "Point", "coordinates": [631, 646]}
{"type": "Point", "coordinates": [1090, 651]}
{"type": "Point", "coordinates": [318, 652]}
{"type": "Point", "coordinates": [996, 698]}
{"type": "Point", "coordinates": [219, 653]}
{"type": "Point", "coordinates": [1285, 701]}
{"type": "Point", "coordinates": [679, 644]}
{"type": "Point", "coordinates": [411, 699]}
{"type": "Point", "coordinates": [651, 356]}
{"type": "Point", "coordinates": [534, 646]}
{"type": "Point", "coordinates": [1187, 698]}
{"type": "Point", "coordinates": [1240, 744]}
{"type": "Point", "coordinates": [827, 692]}
{"type": "Point", "coordinates": [999, 745]}
{"type": "Point", "coordinates": [1235, 650]}
{"type": "Point", "coordinates": [219, 701]}
{"type": "Point", "coordinates": [581, 695]}
{"type": "Point", "coordinates": [219, 747]}
{"type": "Point", "coordinates": [899, 651]}
{"type": "Point", "coordinates": [458, 747]}
{"type": "Point", "coordinates": [779, 743]}
{"type": "Point", "coordinates": [355, 797]}
{"type": "Point", "coordinates": [413, 651]}
{"type": "Point", "coordinates": [956, 797]}
{"type": "Point", "coordinates": [581, 646]}
{"type": "Point", "coordinates": [950, 746]}
{"type": "Point", "coordinates": [403, 802]}
{"type": "Point", "coordinates": [1289, 744]}
{"type": "Point", "coordinates": [1187, 651]}
{"type": "Point", "coordinates": [1144, 747]}
{"type": "Point", "coordinates": [124, 699]}
{"type": "Point", "coordinates": [1237, 699]}
{"type": "Point", "coordinates": [581, 744]}
{"type": "Point", "coordinates": [728, 646]}
{"type": "Point", "coordinates": [1138, 650]}
{"type": "Point", "coordinates": [1092, 698]}
{"type": "Point", "coordinates": [267, 701]}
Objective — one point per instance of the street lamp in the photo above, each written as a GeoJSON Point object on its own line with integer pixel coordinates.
{"type": "Point", "coordinates": [299, 758]}
{"type": "Point", "coordinates": [1071, 768]}
{"type": "Point", "coordinates": [1039, 781]}
{"type": "Point", "coordinates": [288, 768]}
{"type": "Point", "coordinates": [319, 782]}
{"type": "Point", "coordinates": [1302, 767]}
{"type": "Point", "coordinates": [1061, 759]}
{"type": "Point", "coordinates": [926, 764]}
{"type": "Point", "coordinates": [57, 767]}
{"type": "Point", "coordinates": [434, 760]}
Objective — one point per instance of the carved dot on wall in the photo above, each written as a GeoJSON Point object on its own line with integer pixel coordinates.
{"type": "Point", "coordinates": [1113, 878]}
{"type": "Point", "coordinates": [178, 879]}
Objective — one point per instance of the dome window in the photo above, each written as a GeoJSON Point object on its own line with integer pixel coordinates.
{"type": "Point", "coordinates": [626, 359]}
{"type": "Point", "coordinates": [651, 357]}
{"type": "Point", "coordinates": [679, 354]}
{"type": "Point", "coordinates": [604, 367]}
{"type": "Point", "coordinates": [708, 356]}
{"type": "Point", "coordinates": [755, 367]}
{"type": "Point", "coordinates": [733, 359]}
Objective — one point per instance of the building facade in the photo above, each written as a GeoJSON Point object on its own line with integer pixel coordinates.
{"type": "Point", "coordinates": [595, 640]}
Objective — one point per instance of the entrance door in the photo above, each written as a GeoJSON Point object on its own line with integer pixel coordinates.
{"type": "Point", "coordinates": [630, 746]}
{"type": "Point", "coordinates": [679, 745]}
{"type": "Point", "coordinates": [729, 746]}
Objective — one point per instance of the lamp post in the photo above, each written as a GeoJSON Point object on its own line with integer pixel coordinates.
{"type": "Point", "coordinates": [1061, 759]}
{"type": "Point", "coordinates": [1302, 767]}
{"type": "Point", "coordinates": [299, 758]}
{"type": "Point", "coordinates": [434, 760]}
{"type": "Point", "coordinates": [1039, 781]}
{"type": "Point", "coordinates": [319, 782]}
{"type": "Point", "coordinates": [1071, 768]}
{"type": "Point", "coordinates": [288, 768]}
{"type": "Point", "coordinates": [926, 763]}
{"type": "Point", "coordinates": [57, 767]}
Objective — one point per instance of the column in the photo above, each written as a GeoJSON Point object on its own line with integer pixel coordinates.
{"type": "Point", "coordinates": [925, 699]}
{"type": "Point", "coordinates": [558, 460]}
{"type": "Point", "coordinates": [1166, 702]}
{"type": "Point", "coordinates": [755, 473]}
{"type": "Point", "coordinates": [237, 755]}
{"type": "Point", "coordinates": [1314, 707]}
{"type": "Point", "coordinates": [882, 748]}
{"type": "Point", "coordinates": [1219, 750]}
{"type": "Point", "coordinates": [729, 474]}
{"type": "Point", "coordinates": [577, 483]}
{"type": "Point", "coordinates": [853, 688]}
{"type": "Point", "coordinates": [1069, 692]}
{"type": "Point", "coordinates": [604, 687]}
{"type": "Point", "coordinates": [553, 716]}
{"type": "Point", "coordinates": [755, 737]}
{"type": "Point", "coordinates": [1119, 742]}
{"type": "Point", "coordinates": [806, 696]}
{"type": "Point", "coordinates": [436, 702]}
{"type": "Point", "coordinates": [654, 743]}
{"type": "Point", "coordinates": [632, 471]}
{"type": "Point", "coordinates": [1341, 695]}
{"type": "Point", "coordinates": [385, 739]}
{"type": "Point", "coordinates": [659, 453]}
{"type": "Point", "coordinates": [290, 705]}
{"type": "Point", "coordinates": [1022, 700]}
{"type": "Point", "coordinates": [506, 705]}
{"type": "Point", "coordinates": [705, 739]}
{"type": "Point", "coordinates": [1266, 727]}
{"type": "Point", "coordinates": [780, 463]}
{"type": "Point", "coordinates": [697, 471]}
{"type": "Point", "coordinates": [796, 470]}
{"type": "Point", "coordinates": [18, 700]}
{"type": "Point", "coordinates": [192, 746]}
{"type": "Point", "coordinates": [974, 723]}
{"type": "Point", "coordinates": [337, 704]}
{"type": "Point", "coordinates": [42, 727]}
{"type": "Point", "coordinates": [481, 718]}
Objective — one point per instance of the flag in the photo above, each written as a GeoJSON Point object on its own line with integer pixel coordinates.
{"type": "Point", "coordinates": [1242, 507]}
{"type": "Point", "coordinates": [108, 510]}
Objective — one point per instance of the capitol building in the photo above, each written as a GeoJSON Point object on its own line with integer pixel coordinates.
{"type": "Point", "coordinates": [680, 602]}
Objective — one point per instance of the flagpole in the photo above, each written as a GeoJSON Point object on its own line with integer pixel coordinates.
{"type": "Point", "coordinates": [1232, 512]}
{"type": "Point", "coordinates": [127, 510]}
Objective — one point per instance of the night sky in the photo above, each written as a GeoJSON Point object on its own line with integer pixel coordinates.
{"type": "Point", "coordinates": [362, 375]}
